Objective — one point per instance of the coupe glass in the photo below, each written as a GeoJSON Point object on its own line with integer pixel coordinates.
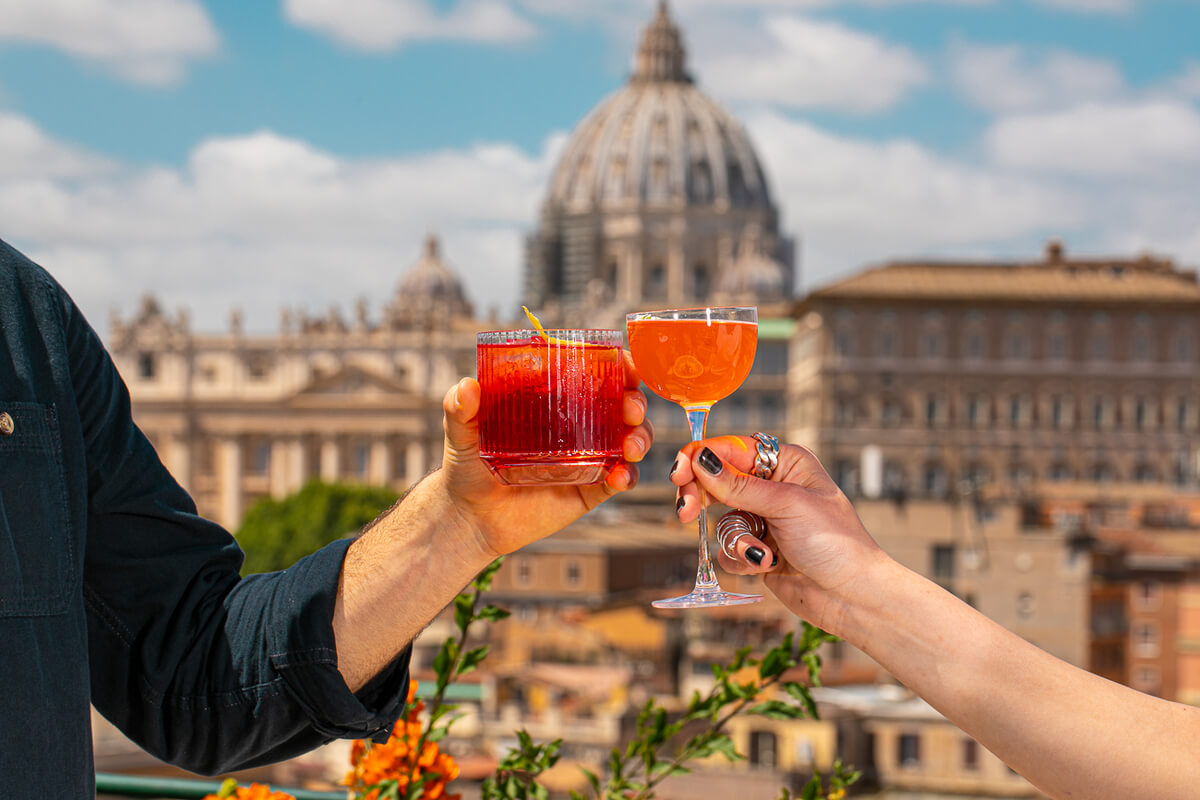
{"type": "Point", "coordinates": [694, 357]}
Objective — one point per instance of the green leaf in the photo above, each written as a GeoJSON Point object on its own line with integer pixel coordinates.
{"type": "Point", "coordinates": [811, 789]}
{"type": "Point", "coordinates": [463, 605]}
{"type": "Point", "coordinates": [436, 734]}
{"type": "Point", "coordinates": [724, 745]}
{"type": "Point", "coordinates": [445, 658]}
{"type": "Point", "coordinates": [228, 788]}
{"type": "Point", "coordinates": [739, 660]}
{"type": "Point", "coordinates": [776, 709]}
{"type": "Point", "coordinates": [805, 697]}
{"type": "Point", "coordinates": [615, 764]}
{"type": "Point", "coordinates": [492, 613]}
{"type": "Point", "coordinates": [591, 779]}
{"type": "Point", "coordinates": [665, 767]}
{"type": "Point", "coordinates": [775, 663]}
{"type": "Point", "coordinates": [483, 581]}
{"type": "Point", "coordinates": [442, 711]}
{"type": "Point", "coordinates": [472, 658]}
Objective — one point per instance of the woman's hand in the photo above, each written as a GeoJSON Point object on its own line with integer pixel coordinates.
{"type": "Point", "coordinates": [507, 518]}
{"type": "Point", "coordinates": [816, 549]}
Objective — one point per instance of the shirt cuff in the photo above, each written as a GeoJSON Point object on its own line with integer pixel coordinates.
{"type": "Point", "coordinates": [304, 654]}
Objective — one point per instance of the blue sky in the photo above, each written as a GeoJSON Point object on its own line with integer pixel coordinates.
{"type": "Point", "coordinates": [294, 153]}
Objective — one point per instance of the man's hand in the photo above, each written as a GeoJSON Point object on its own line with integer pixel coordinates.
{"type": "Point", "coordinates": [509, 517]}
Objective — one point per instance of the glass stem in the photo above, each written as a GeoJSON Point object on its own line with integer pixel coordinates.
{"type": "Point", "coordinates": [706, 576]}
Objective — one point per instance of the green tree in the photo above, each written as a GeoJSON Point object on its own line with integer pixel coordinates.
{"type": "Point", "coordinates": [275, 533]}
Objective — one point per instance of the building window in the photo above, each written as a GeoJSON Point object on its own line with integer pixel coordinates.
{"type": "Point", "coordinates": [933, 410]}
{"type": "Point", "coordinates": [1146, 679]}
{"type": "Point", "coordinates": [1147, 595]}
{"type": "Point", "coordinates": [1184, 349]}
{"type": "Point", "coordinates": [1102, 413]}
{"type": "Point", "coordinates": [933, 479]}
{"type": "Point", "coordinates": [970, 755]}
{"type": "Point", "coordinates": [886, 344]}
{"type": "Point", "coordinates": [1026, 605]}
{"type": "Point", "coordinates": [656, 281]}
{"type": "Point", "coordinates": [943, 556]}
{"type": "Point", "coordinates": [1018, 411]}
{"type": "Point", "coordinates": [973, 348]}
{"type": "Point", "coordinates": [844, 411]}
{"type": "Point", "coordinates": [573, 573]}
{"type": "Point", "coordinates": [770, 415]}
{"type": "Point", "coordinates": [1141, 347]}
{"type": "Point", "coordinates": [1185, 414]}
{"type": "Point", "coordinates": [147, 366]}
{"type": "Point", "coordinates": [908, 750]}
{"type": "Point", "coordinates": [1056, 346]}
{"type": "Point", "coordinates": [893, 412]}
{"type": "Point", "coordinates": [895, 481]}
{"type": "Point", "coordinates": [1020, 474]}
{"type": "Point", "coordinates": [258, 366]}
{"type": "Point", "coordinates": [700, 281]}
{"type": "Point", "coordinates": [1018, 346]}
{"type": "Point", "coordinates": [524, 571]}
{"type": "Point", "coordinates": [1098, 347]}
{"type": "Point", "coordinates": [1103, 472]}
{"type": "Point", "coordinates": [1059, 472]}
{"type": "Point", "coordinates": [1143, 414]}
{"type": "Point", "coordinates": [976, 411]}
{"type": "Point", "coordinates": [1145, 473]}
{"type": "Point", "coordinates": [932, 344]}
{"type": "Point", "coordinates": [763, 748]}
{"type": "Point", "coordinates": [845, 475]}
{"type": "Point", "coordinates": [1145, 640]}
{"type": "Point", "coordinates": [843, 344]}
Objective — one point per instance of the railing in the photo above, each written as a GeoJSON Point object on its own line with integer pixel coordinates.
{"type": "Point", "coordinates": [108, 783]}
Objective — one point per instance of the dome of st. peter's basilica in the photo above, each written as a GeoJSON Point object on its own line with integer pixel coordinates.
{"type": "Point", "coordinates": [658, 199]}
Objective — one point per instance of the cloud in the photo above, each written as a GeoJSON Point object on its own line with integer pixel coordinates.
{"type": "Point", "coordinates": [27, 152]}
{"type": "Point", "coordinates": [1013, 78]}
{"type": "Point", "coordinates": [382, 25]}
{"type": "Point", "coordinates": [854, 201]}
{"type": "Point", "coordinates": [1148, 140]}
{"type": "Point", "coordinates": [266, 221]}
{"type": "Point", "coordinates": [145, 41]}
{"type": "Point", "coordinates": [807, 63]}
{"type": "Point", "coordinates": [1091, 6]}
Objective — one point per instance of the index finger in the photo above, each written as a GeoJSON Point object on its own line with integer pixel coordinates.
{"type": "Point", "coordinates": [632, 379]}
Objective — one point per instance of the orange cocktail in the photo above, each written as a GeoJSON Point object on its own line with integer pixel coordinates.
{"type": "Point", "coordinates": [550, 406]}
{"type": "Point", "coordinates": [693, 362]}
{"type": "Point", "coordinates": [695, 357]}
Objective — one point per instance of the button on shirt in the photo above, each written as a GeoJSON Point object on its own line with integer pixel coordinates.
{"type": "Point", "coordinates": [114, 592]}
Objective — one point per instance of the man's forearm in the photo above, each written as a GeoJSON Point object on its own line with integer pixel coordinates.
{"type": "Point", "coordinates": [399, 575]}
{"type": "Point", "coordinates": [1071, 733]}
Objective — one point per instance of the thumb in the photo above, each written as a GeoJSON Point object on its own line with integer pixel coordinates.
{"type": "Point", "coordinates": [461, 407]}
{"type": "Point", "coordinates": [726, 484]}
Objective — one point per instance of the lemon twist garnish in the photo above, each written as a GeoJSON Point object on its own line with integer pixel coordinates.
{"type": "Point", "coordinates": [537, 323]}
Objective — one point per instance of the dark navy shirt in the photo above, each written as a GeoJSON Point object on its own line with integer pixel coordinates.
{"type": "Point", "coordinates": [114, 592]}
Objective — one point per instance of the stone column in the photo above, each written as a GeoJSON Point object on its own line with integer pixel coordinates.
{"type": "Point", "coordinates": [379, 469]}
{"type": "Point", "coordinates": [414, 462]}
{"type": "Point", "coordinates": [181, 460]}
{"type": "Point", "coordinates": [295, 464]}
{"type": "Point", "coordinates": [331, 460]}
{"type": "Point", "coordinates": [631, 290]}
{"type": "Point", "coordinates": [229, 481]}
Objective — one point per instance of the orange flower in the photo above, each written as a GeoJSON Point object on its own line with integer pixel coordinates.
{"type": "Point", "coordinates": [398, 759]}
{"type": "Point", "coordinates": [255, 791]}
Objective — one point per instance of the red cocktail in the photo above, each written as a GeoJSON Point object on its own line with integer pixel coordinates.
{"type": "Point", "coordinates": [551, 404]}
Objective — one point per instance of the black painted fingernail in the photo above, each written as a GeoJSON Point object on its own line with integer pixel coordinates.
{"type": "Point", "coordinates": [775, 560]}
{"type": "Point", "coordinates": [674, 466]}
{"type": "Point", "coordinates": [678, 505]}
{"type": "Point", "coordinates": [755, 555]}
{"type": "Point", "coordinates": [711, 463]}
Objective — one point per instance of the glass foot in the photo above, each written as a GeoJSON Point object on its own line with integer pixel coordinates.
{"type": "Point", "coordinates": [708, 599]}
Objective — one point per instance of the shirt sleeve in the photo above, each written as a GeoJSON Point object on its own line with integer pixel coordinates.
{"type": "Point", "coordinates": [200, 667]}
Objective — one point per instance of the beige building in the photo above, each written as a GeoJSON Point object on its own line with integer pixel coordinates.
{"type": "Point", "coordinates": [237, 416]}
{"type": "Point", "coordinates": [940, 378]}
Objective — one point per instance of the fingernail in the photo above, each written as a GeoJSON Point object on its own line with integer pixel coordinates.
{"type": "Point", "coordinates": [775, 560]}
{"type": "Point", "coordinates": [678, 505]}
{"type": "Point", "coordinates": [710, 462]}
{"type": "Point", "coordinates": [674, 466]}
{"type": "Point", "coordinates": [755, 555]}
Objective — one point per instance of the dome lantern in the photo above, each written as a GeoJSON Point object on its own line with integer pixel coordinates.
{"type": "Point", "coordinates": [661, 56]}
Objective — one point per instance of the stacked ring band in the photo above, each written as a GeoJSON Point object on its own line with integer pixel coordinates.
{"type": "Point", "coordinates": [766, 458]}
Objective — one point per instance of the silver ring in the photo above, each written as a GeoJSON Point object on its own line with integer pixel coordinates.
{"type": "Point", "coordinates": [730, 544]}
{"type": "Point", "coordinates": [766, 458]}
{"type": "Point", "coordinates": [739, 523]}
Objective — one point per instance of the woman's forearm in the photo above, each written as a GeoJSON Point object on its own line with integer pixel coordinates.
{"type": "Point", "coordinates": [1071, 733]}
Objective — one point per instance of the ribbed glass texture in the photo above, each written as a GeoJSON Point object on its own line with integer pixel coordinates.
{"type": "Point", "coordinates": [551, 405]}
